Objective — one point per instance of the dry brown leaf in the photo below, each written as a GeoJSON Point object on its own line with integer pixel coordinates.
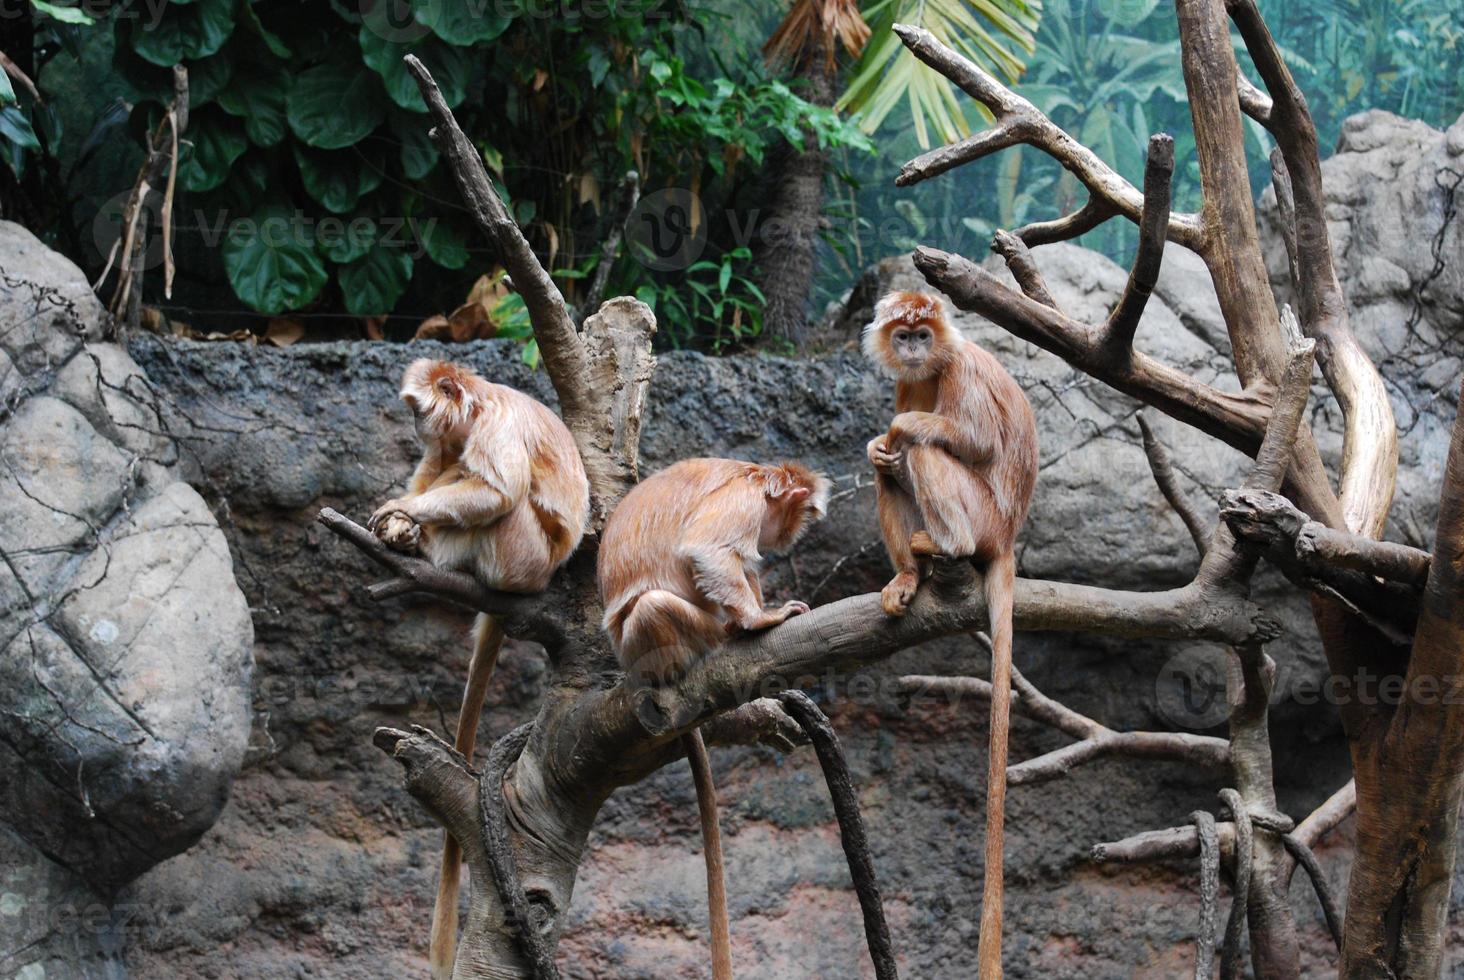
{"type": "Point", "coordinates": [488, 290]}
{"type": "Point", "coordinates": [434, 328]}
{"type": "Point", "coordinates": [153, 320]}
{"type": "Point", "coordinates": [374, 327]}
{"type": "Point", "coordinates": [283, 331]}
{"type": "Point", "coordinates": [540, 77]}
{"type": "Point", "coordinates": [472, 321]}
{"type": "Point", "coordinates": [589, 190]}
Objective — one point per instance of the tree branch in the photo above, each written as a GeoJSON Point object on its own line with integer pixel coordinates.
{"type": "Point", "coordinates": [1069, 226]}
{"type": "Point", "coordinates": [1019, 262]}
{"type": "Point", "coordinates": [1163, 470]}
{"type": "Point", "coordinates": [1019, 121]}
{"type": "Point", "coordinates": [1118, 332]}
{"type": "Point", "coordinates": [1370, 439]}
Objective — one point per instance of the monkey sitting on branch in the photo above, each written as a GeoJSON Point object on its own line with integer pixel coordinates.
{"type": "Point", "coordinates": [954, 477]}
{"type": "Point", "coordinates": [500, 493]}
{"type": "Point", "coordinates": [678, 573]}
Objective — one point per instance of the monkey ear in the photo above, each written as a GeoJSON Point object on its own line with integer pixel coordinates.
{"type": "Point", "coordinates": [448, 387]}
{"type": "Point", "coordinates": [797, 494]}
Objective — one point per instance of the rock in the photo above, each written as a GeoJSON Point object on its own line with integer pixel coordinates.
{"type": "Point", "coordinates": [125, 642]}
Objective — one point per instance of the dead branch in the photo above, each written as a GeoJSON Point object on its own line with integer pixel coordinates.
{"type": "Point", "coordinates": [625, 202]}
{"type": "Point", "coordinates": [1095, 739]}
{"type": "Point", "coordinates": [1370, 440]}
{"type": "Point", "coordinates": [1230, 961]}
{"type": "Point", "coordinates": [1163, 470]}
{"type": "Point", "coordinates": [851, 828]}
{"type": "Point", "coordinates": [1118, 332]}
{"type": "Point", "coordinates": [1019, 261]}
{"type": "Point", "coordinates": [1204, 823]}
{"type": "Point", "coordinates": [1019, 121]}
{"type": "Point", "coordinates": [1325, 818]}
{"type": "Point", "coordinates": [498, 846]}
{"type": "Point", "coordinates": [1068, 227]}
{"type": "Point", "coordinates": [529, 617]}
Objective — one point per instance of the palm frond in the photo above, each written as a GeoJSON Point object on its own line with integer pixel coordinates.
{"type": "Point", "coordinates": [996, 34]}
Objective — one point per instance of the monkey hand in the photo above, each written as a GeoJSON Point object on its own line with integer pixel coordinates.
{"type": "Point", "coordinates": [399, 532]}
{"type": "Point", "coordinates": [884, 458]}
{"type": "Point", "coordinates": [398, 507]}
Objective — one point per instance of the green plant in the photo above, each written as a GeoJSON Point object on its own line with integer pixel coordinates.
{"type": "Point", "coordinates": [715, 302]}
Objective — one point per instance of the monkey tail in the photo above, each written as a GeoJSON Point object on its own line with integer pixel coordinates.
{"type": "Point", "coordinates": [487, 642]}
{"type": "Point", "coordinates": [706, 805]}
{"type": "Point", "coordinates": [1000, 581]}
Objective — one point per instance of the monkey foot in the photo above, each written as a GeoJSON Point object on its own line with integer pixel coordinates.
{"type": "Point", "coordinates": [896, 597]}
{"type": "Point", "coordinates": [922, 545]}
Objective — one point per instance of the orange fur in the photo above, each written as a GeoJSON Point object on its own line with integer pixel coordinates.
{"type": "Point", "coordinates": [501, 493]}
{"type": "Point", "coordinates": [678, 569]}
{"type": "Point", "coordinates": [959, 462]}
{"type": "Point", "coordinates": [678, 559]}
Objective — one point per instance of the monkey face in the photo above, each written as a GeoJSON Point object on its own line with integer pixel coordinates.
{"type": "Point", "coordinates": [912, 347]}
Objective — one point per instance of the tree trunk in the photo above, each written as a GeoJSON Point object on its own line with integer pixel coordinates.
{"type": "Point", "coordinates": [788, 236]}
{"type": "Point", "coordinates": [1410, 776]}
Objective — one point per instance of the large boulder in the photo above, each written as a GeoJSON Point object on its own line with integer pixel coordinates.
{"type": "Point", "coordinates": [126, 647]}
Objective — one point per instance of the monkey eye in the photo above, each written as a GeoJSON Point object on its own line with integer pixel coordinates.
{"type": "Point", "coordinates": [902, 335]}
{"type": "Point", "coordinates": [923, 336]}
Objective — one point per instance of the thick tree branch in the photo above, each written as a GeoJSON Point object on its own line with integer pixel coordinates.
{"type": "Point", "coordinates": [1019, 121]}
{"type": "Point", "coordinates": [1370, 440]}
{"type": "Point", "coordinates": [1023, 269]}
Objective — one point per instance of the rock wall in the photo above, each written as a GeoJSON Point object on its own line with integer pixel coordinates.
{"type": "Point", "coordinates": [321, 865]}
{"type": "Point", "coordinates": [125, 644]}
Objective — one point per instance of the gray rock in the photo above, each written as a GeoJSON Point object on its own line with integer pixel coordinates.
{"type": "Point", "coordinates": [125, 643]}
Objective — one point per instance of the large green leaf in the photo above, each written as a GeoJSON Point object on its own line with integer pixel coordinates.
{"type": "Point", "coordinates": [338, 178]}
{"type": "Point", "coordinates": [207, 79]}
{"type": "Point", "coordinates": [185, 32]}
{"type": "Point", "coordinates": [450, 68]}
{"type": "Point", "coordinates": [336, 103]}
{"type": "Point", "coordinates": [271, 40]}
{"type": "Point", "coordinates": [66, 15]}
{"type": "Point", "coordinates": [216, 140]}
{"type": "Point", "coordinates": [373, 283]}
{"type": "Point", "coordinates": [257, 95]}
{"type": "Point", "coordinates": [461, 22]}
{"type": "Point", "coordinates": [271, 261]}
{"type": "Point", "coordinates": [7, 91]}
{"type": "Point", "coordinates": [418, 152]}
{"type": "Point", "coordinates": [444, 241]}
{"type": "Point", "coordinates": [16, 127]}
{"type": "Point", "coordinates": [344, 240]}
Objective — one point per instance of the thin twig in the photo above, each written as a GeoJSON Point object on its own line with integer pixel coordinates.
{"type": "Point", "coordinates": [1122, 323]}
{"type": "Point", "coordinates": [1163, 469]}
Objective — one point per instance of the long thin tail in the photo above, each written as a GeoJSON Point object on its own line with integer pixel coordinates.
{"type": "Point", "coordinates": [706, 805]}
{"type": "Point", "coordinates": [487, 642]}
{"type": "Point", "coordinates": [1000, 581]}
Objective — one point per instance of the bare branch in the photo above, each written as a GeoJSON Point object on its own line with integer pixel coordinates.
{"type": "Point", "coordinates": [526, 616]}
{"type": "Point", "coordinates": [1253, 102]}
{"type": "Point", "coordinates": [851, 828]}
{"type": "Point", "coordinates": [1019, 121]}
{"type": "Point", "coordinates": [1095, 739]}
{"type": "Point", "coordinates": [559, 342]}
{"type": "Point", "coordinates": [1163, 470]}
{"type": "Point", "coordinates": [1370, 440]}
{"type": "Point", "coordinates": [1019, 261]}
{"type": "Point", "coordinates": [1286, 215]}
{"type": "Point", "coordinates": [1170, 844]}
{"type": "Point", "coordinates": [1238, 419]}
{"type": "Point", "coordinates": [1209, 840]}
{"type": "Point", "coordinates": [1122, 323]}
{"type": "Point", "coordinates": [1325, 818]}
{"type": "Point", "coordinates": [1069, 226]}
{"type": "Point", "coordinates": [626, 198]}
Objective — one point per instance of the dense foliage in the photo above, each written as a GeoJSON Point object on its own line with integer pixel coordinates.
{"type": "Point", "coordinates": [308, 186]}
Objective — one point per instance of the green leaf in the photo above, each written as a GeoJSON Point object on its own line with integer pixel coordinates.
{"type": "Point", "coordinates": [336, 103]}
{"type": "Point", "coordinates": [207, 79]}
{"type": "Point", "coordinates": [217, 140]}
{"type": "Point", "coordinates": [345, 240]}
{"type": "Point", "coordinates": [66, 15]}
{"type": "Point", "coordinates": [185, 32]}
{"type": "Point", "coordinates": [7, 92]}
{"type": "Point", "coordinates": [418, 152]}
{"type": "Point", "coordinates": [256, 26]}
{"type": "Point", "coordinates": [271, 261]}
{"type": "Point", "coordinates": [16, 127]}
{"type": "Point", "coordinates": [373, 283]}
{"type": "Point", "coordinates": [450, 68]}
{"type": "Point", "coordinates": [257, 95]}
{"type": "Point", "coordinates": [460, 22]}
{"type": "Point", "coordinates": [337, 179]}
{"type": "Point", "coordinates": [444, 242]}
